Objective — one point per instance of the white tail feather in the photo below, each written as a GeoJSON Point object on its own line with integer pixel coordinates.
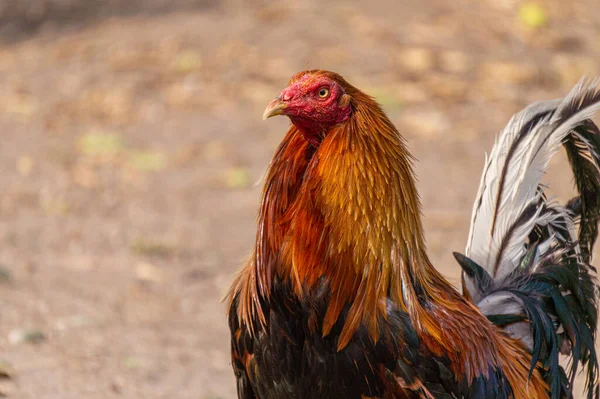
{"type": "Point", "coordinates": [511, 177]}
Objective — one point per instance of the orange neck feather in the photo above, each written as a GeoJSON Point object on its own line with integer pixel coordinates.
{"type": "Point", "coordinates": [348, 211]}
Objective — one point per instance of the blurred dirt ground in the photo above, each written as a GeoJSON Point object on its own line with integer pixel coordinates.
{"type": "Point", "coordinates": [132, 139]}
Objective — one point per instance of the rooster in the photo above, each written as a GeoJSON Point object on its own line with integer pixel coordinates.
{"type": "Point", "coordinates": [340, 300]}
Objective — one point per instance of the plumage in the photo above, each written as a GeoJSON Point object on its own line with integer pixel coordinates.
{"type": "Point", "coordinates": [339, 298]}
{"type": "Point", "coordinates": [527, 262]}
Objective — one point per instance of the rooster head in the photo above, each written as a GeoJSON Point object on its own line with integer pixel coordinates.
{"type": "Point", "coordinates": [315, 101]}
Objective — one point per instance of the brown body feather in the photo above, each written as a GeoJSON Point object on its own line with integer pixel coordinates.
{"type": "Point", "coordinates": [349, 212]}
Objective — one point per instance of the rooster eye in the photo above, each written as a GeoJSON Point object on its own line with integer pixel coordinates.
{"type": "Point", "coordinates": [323, 92]}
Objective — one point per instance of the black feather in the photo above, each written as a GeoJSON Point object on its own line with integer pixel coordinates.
{"type": "Point", "coordinates": [475, 272]}
{"type": "Point", "coordinates": [582, 148]}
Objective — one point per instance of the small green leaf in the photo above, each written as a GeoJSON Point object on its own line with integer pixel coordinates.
{"type": "Point", "coordinates": [147, 161]}
{"type": "Point", "coordinates": [100, 144]}
{"type": "Point", "coordinates": [187, 62]}
{"type": "Point", "coordinates": [34, 336]}
{"type": "Point", "coordinates": [237, 178]}
{"type": "Point", "coordinates": [132, 362]}
{"type": "Point", "coordinates": [533, 15]}
{"type": "Point", "coordinates": [29, 335]}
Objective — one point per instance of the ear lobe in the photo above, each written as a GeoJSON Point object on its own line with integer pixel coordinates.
{"type": "Point", "coordinates": [344, 101]}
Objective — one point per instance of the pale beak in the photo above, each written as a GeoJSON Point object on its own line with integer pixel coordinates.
{"type": "Point", "coordinates": [274, 108]}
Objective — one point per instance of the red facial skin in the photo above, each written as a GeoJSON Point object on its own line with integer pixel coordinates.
{"type": "Point", "coordinates": [313, 115]}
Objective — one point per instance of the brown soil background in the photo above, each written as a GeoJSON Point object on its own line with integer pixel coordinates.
{"type": "Point", "coordinates": [131, 140]}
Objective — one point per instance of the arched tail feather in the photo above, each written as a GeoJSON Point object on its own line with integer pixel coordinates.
{"type": "Point", "coordinates": [527, 263]}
